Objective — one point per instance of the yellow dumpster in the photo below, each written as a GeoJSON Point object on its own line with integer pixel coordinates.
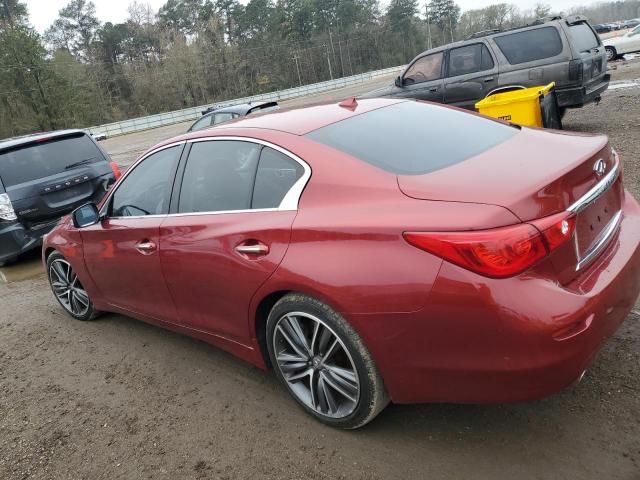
{"type": "Point", "coordinates": [519, 106]}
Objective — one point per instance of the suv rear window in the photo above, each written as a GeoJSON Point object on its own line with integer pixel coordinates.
{"type": "Point", "coordinates": [413, 138]}
{"type": "Point", "coordinates": [40, 160]}
{"type": "Point", "coordinates": [583, 37]}
{"type": "Point", "coordinates": [530, 45]}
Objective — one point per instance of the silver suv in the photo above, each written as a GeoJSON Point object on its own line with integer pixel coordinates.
{"type": "Point", "coordinates": [565, 50]}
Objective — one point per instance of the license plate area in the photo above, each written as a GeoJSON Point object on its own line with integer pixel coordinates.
{"type": "Point", "coordinates": [591, 222]}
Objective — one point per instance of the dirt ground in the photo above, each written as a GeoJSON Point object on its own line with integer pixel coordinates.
{"type": "Point", "coordinates": [119, 399]}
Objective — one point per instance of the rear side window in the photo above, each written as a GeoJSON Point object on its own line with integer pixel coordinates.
{"type": "Point", "coordinates": [530, 45]}
{"type": "Point", "coordinates": [146, 190]}
{"type": "Point", "coordinates": [469, 59]}
{"type": "Point", "coordinates": [219, 176]}
{"type": "Point", "coordinates": [44, 159]}
{"type": "Point", "coordinates": [412, 138]}
{"type": "Point", "coordinates": [277, 173]}
{"type": "Point", "coordinates": [583, 37]}
{"type": "Point", "coordinates": [222, 117]}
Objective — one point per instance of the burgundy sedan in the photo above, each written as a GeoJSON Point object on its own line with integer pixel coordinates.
{"type": "Point", "coordinates": [386, 250]}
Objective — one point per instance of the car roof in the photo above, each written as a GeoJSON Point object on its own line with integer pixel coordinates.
{"type": "Point", "coordinates": [295, 120]}
{"type": "Point", "coordinates": [14, 142]}
{"type": "Point", "coordinates": [302, 120]}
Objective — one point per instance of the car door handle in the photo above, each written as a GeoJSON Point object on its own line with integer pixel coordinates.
{"type": "Point", "coordinates": [433, 89]}
{"type": "Point", "coordinates": [489, 79]}
{"type": "Point", "coordinates": [252, 249]}
{"type": "Point", "coordinates": [146, 247]}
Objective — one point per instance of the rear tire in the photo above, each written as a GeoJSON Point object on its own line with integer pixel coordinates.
{"type": "Point", "coordinates": [323, 363]}
{"type": "Point", "coordinates": [68, 290]}
{"type": "Point", "coordinates": [612, 54]}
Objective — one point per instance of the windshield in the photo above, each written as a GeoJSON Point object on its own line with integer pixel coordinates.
{"type": "Point", "coordinates": [40, 160]}
{"type": "Point", "coordinates": [583, 37]}
{"type": "Point", "coordinates": [413, 138]}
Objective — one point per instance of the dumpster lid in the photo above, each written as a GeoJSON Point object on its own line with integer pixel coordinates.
{"type": "Point", "coordinates": [523, 95]}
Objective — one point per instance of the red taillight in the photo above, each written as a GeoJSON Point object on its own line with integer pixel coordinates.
{"type": "Point", "coordinates": [557, 229]}
{"type": "Point", "coordinates": [499, 252]}
{"type": "Point", "coordinates": [116, 170]}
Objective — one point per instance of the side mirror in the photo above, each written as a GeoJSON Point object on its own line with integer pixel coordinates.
{"type": "Point", "coordinates": [398, 82]}
{"type": "Point", "coordinates": [85, 216]}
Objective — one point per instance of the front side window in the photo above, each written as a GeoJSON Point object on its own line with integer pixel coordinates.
{"type": "Point", "coordinates": [204, 122]}
{"type": "Point", "coordinates": [469, 59]}
{"type": "Point", "coordinates": [425, 69]}
{"type": "Point", "coordinates": [277, 173]}
{"type": "Point", "coordinates": [530, 45]}
{"type": "Point", "coordinates": [219, 176]}
{"type": "Point", "coordinates": [147, 189]}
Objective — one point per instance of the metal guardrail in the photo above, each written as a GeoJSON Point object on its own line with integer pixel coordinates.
{"type": "Point", "coordinates": [187, 114]}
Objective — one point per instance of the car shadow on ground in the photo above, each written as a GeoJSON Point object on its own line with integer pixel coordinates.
{"type": "Point", "coordinates": [581, 414]}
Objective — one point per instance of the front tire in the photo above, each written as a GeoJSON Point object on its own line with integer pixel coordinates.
{"type": "Point", "coordinates": [68, 290]}
{"type": "Point", "coordinates": [612, 54]}
{"type": "Point", "coordinates": [323, 363]}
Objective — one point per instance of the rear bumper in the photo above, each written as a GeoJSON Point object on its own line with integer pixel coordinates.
{"type": "Point", "coordinates": [580, 96]}
{"type": "Point", "coordinates": [491, 341]}
{"type": "Point", "coordinates": [16, 239]}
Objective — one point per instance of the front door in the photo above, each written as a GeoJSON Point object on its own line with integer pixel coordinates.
{"type": "Point", "coordinates": [122, 251]}
{"type": "Point", "coordinates": [471, 75]}
{"type": "Point", "coordinates": [423, 79]}
{"type": "Point", "coordinates": [230, 232]}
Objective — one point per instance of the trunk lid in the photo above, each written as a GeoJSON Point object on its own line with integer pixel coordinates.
{"type": "Point", "coordinates": [536, 174]}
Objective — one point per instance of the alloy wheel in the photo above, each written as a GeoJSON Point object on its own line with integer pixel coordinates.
{"type": "Point", "coordinates": [67, 287]}
{"type": "Point", "coordinates": [316, 365]}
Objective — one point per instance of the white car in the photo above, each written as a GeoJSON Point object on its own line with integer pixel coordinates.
{"type": "Point", "coordinates": [627, 43]}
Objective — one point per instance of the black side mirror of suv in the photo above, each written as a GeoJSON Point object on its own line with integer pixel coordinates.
{"type": "Point", "coordinates": [398, 82]}
{"type": "Point", "coordinates": [85, 215]}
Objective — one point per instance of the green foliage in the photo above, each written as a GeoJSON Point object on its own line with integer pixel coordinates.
{"type": "Point", "coordinates": [75, 28]}
{"type": "Point", "coordinates": [195, 52]}
{"type": "Point", "coordinates": [12, 12]}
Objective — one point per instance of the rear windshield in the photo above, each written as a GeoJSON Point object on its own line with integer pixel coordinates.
{"type": "Point", "coordinates": [530, 45]}
{"type": "Point", "coordinates": [583, 37]}
{"type": "Point", "coordinates": [41, 160]}
{"type": "Point", "coordinates": [412, 138]}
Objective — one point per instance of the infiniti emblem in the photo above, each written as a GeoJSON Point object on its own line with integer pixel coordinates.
{"type": "Point", "coordinates": [600, 167]}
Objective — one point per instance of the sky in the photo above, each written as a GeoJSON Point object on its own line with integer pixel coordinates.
{"type": "Point", "coordinates": [43, 12]}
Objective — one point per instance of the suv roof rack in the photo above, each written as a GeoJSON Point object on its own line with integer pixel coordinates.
{"type": "Point", "coordinates": [483, 33]}
{"type": "Point", "coordinates": [540, 21]}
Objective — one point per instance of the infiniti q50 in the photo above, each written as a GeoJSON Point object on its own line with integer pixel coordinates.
{"type": "Point", "coordinates": [386, 250]}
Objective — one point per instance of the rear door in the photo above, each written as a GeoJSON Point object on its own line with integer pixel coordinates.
{"type": "Point", "coordinates": [122, 251]}
{"type": "Point", "coordinates": [423, 78]}
{"type": "Point", "coordinates": [472, 74]}
{"type": "Point", "coordinates": [47, 179]}
{"type": "Point", "coordinates": [230, 231]}
{"type": "Point", "coordinates": [590, 55]}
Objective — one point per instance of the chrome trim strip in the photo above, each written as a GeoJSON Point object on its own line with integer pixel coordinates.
{"type": "Point", "coordinates": [601, 241]}
{"type": "Point", "coordinates": [595, 193]}
{"type": "Point", "coordinates": [289, 202]}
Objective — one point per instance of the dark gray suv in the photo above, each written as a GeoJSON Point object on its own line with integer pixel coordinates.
{"type": "Point", "coordinates": [565, 50]}
{"type": "Point", "coordinates": [42, 178]}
